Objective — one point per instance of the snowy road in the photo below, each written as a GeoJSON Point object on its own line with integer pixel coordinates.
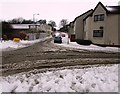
{"type": "Point", "coordinates": [47, 55]}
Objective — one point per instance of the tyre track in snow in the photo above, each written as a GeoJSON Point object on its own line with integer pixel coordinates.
{"type": "Point", "coordinates": [46, 55]}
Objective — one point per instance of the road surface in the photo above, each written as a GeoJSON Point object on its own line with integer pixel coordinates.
{"type": "Point", "coordinates": [47, 55]}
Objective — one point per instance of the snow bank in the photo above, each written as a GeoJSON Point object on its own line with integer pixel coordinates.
{"type": "Point", "coordinates": [86, 47]}
{"type": "Point", "coordinates": [9, 45]}
{"type": "Point", "coordinates": [94, 79]}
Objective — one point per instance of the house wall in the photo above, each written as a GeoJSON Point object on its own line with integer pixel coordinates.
{"type": "Point", "coordinates": [78, 26]}
{"type": "Point", "coordinates": [71, 32]}
{"type": "Point", "coordinates": [71, 29]}
{"type": "Point", "coordinates": [41, 27]}
{"type": "Point", "coordinates": [34, 36]}
{"type": "Point", "coordinates": [87, 28]}
{"type": "Point", "coordinates": [110, 27]}
{"type": "Point", "coordinates": [112, 30]}
{"type": "Point", "coordinates": [119, 29]}
{"type": "Point", "coordinates": [96, 26]}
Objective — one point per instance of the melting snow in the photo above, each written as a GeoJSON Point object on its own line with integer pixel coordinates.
{"type": "Point", "coordinates": [6, 45]}
{"type": "Point", "coordinates": [9, 45]}
{"type": "Point", "coordinates": [84, 47]}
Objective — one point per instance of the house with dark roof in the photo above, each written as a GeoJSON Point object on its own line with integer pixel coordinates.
{"type": "Point", "coordinates": [102, 26]}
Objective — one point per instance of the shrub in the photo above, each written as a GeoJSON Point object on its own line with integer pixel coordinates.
{"type": "Point", "coordinates": [6, 31]}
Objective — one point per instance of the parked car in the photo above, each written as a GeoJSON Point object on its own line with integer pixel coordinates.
{"type": "Point", "coordinates": [57, 39]}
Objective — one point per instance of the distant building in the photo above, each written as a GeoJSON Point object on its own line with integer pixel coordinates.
{"type": "Point", "coordinates": [41, 28]}
{"type": "Point", "coordinates": [39, 31]}
{"type": "Point", "coordinates": [32, 31]}
{"type": "Point", "coordinates": [71, 31]}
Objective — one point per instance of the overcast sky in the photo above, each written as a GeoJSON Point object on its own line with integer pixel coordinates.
{"type": "Point", "coordinates": [48, 9]}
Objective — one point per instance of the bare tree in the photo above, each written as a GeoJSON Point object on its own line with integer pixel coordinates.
{"type": "Point", "coordinates": [20, 19]}
{"type": "Point", "coordinates": [16, 20]}
{"type": "Point", "coordinates": [63, 22]}
{"type": "Point", "coordinates": [52, 23]}
{"type": "Point", "coordinates": [42, 21]}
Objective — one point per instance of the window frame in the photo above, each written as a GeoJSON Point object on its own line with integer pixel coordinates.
{"type": "Point", "coordinates": [98, 33]}
{"type": "Point", "coordinates": [99, 17]}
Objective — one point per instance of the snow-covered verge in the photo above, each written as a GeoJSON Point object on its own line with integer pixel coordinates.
{"type": "Point", "coordinates": [10, 45]}
{"type": "Point", "coordinates": [86, 47]}
{"type": "Point", "coordinates": [93, 79]}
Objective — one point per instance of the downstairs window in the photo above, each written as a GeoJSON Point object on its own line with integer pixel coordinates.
{"type": "Point", "coordinates": [97, 33]}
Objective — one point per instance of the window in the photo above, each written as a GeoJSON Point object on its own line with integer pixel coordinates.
{"type": "Point", "coordinates": [102, 17]}
{"type": "Point", "coordinates": [99, 17]}
{"type": "Point", "coordinates": [97, 33]}
{"type": "Point", "coordinates": [95, 18]}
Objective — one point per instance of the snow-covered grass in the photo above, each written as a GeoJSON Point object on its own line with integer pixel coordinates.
{"type": "Point", "coordinates": [10, 45]}
{"type": "Point", "coordinates": [87, 47]}
{"type": "Point", "coordinates": [93, 79]}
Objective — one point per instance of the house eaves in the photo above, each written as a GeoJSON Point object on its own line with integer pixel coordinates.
{"type": "Point", "coordinates": [90, 15]}
{"type": "Point", "coordinates": [82, 15]}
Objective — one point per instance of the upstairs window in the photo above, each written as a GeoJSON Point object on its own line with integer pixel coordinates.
{"type": "Point", "coordinates": [99, 17]}
{"type": "Point", "coordinates": [97, 33]}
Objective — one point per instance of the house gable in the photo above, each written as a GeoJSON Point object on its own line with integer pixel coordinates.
{"type": "Point", "coordinates": [100, 7]}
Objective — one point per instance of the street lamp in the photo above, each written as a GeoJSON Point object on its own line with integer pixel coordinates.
{"type": "Point", "coordinates": [34, 17]}
{"type": "Point", "coordinates": [35, 26]}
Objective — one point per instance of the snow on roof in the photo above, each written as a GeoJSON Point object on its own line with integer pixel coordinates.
{"type": "Point", "coordinates": [113, 9]}
{"type": "Point", "coordinates": [20, 26]}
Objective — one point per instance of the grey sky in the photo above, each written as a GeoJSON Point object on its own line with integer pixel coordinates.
{"type": "Point", "coordinates": [48, 9]}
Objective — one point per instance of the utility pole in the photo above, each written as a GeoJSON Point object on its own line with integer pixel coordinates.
{"type": "Point", "coordinates": [35, 26]}
{"type": "Point", "coordinates": [34, 17]}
